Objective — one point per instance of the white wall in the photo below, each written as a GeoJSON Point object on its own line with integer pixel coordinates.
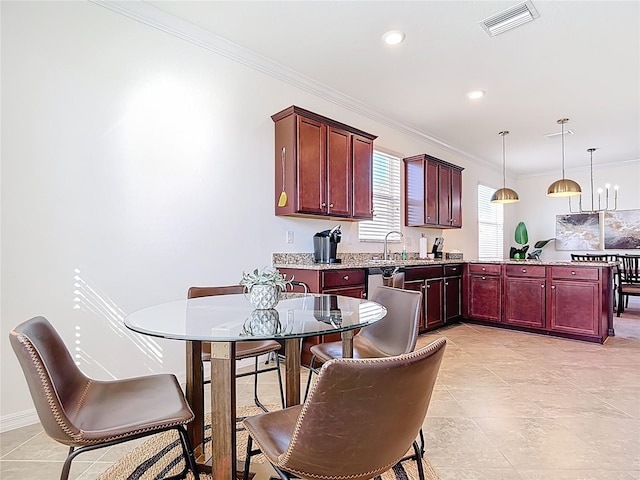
{"type": "Point", "coordinates": [134, 165]}
{"type": "Point", "coordinates": [539, 211]}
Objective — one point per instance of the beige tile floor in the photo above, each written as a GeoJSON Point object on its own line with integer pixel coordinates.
{"type": "Point", "coordinates": [507, 405]}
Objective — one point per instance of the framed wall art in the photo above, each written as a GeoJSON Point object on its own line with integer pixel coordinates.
{"type": "Point", "coordinates": [622, 229]}
{"type": "Point", "coordinates": [578, 231]}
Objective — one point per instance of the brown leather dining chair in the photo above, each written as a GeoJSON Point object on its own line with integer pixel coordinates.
{"type": "Point", "coordinates": [248, 349]}
{"type": "Point", "coordinates": [86, 414]}
{"type": "Point", "coordinates": [395, 334]}
{"type": "Point", "coordinates": [361, 417]}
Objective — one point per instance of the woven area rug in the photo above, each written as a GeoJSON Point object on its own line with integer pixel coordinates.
{"type": "Point", "coordinates": [161, 456]}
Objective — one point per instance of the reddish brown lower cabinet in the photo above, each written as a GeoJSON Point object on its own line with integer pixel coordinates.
{"type": "Point", "coordinates": [441, 287]}
{"type": "Point", "coordinates": [565, 300]}
{"type": "Point", "coordinates": [483, 287]}
{"type": "Point", "coordinates": [575, 300]}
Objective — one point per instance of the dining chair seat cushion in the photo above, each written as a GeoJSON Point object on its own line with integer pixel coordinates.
{"type": "Point", "coordinates": [632, 289]}
{"type": "Point", "coordinates": [125, 408]}
{"type": "Point", "coordinates": [276, 430]}
{"type": "Point", "coordinates": [255, 347]}
{"type": "Point", "coordinates": [362, 348]}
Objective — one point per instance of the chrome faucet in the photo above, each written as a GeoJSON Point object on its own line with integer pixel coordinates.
{"type": "Point", "coordinates": [385, 255]}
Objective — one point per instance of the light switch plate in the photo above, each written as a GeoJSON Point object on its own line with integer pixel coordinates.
{"type": "Point", "coordinates": [289, 236]}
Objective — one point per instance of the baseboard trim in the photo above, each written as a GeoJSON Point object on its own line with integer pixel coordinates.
{"type": "Point", "coordinates": [18, 420]}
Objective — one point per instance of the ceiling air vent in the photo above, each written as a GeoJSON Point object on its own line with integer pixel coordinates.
{"type": "Point", "coordinates": [509, 18]}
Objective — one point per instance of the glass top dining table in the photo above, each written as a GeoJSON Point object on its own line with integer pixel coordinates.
{"type": "Point", "coordinates": [224, 320]}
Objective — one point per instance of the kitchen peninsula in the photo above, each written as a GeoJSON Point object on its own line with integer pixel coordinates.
{"type": "Point", "coordinates": [559, 298]}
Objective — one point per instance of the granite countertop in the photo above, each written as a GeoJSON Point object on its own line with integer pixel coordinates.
{"type": "Point", "coordinates": [304, 261]}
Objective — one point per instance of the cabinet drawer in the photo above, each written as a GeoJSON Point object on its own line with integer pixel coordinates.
{"type": "Point", "coordinates": [484, 269]}
{"type": "Point", "coordinates": [525, 271]}
{"type": "Point", "coordinates": [572, 273]}
{"type": "Point", "coordinates": [340, 278]}
{"type": "Point", "coordinates": [452, 270]}
{"type": "Point", "coordinates": [422, 273]}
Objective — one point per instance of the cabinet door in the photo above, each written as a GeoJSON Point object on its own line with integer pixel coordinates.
{"type": "Point", "coordinates": [456, 198]}
{"type": "Point", "coordinates": [338, 172]}
{"type": "Point", "coordinates": [311, 168]}
{"type": "Point", "coordinates": [575, 307]}
{"type": "Point", "coordinates": [415, 177]}
{"type": "Point", "coordinates": [525, 301]}
{"type": "Point", "coordinates": [362, 159]}
{"type": "Point", "coordinates": [433, 294]}
{"type": "Point", "coordinates": [444, 196]}
{"type": "Point", "coordinates": [484, 297]}
{"type": "Point", "coordinates": [431, 194]}
{"type": "Point", "coordinates": [418, 286]}
{"type": "Point", "coordinates": [452, 298]}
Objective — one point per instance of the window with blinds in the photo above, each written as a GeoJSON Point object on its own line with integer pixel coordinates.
{"type": "Point", "coordinates": [386, 199]}
{"type": "Point", "coordinates": [490, 225]}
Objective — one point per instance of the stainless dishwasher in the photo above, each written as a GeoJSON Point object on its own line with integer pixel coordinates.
{"type": "Point", "coordinates": [383, 275]}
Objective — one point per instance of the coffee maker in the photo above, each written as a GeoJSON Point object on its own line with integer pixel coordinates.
{"type": "Point", "coordinates": [325, 244]}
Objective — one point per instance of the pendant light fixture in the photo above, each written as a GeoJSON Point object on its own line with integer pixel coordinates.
{"type": "Point", "coordinates": [600, 191]}
{"type": "Point", "coordinates": [504, 195]}
{"type": "Point", "coordinates": [563, 187]}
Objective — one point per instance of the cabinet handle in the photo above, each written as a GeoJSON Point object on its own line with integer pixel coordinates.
{"type": "Point", "coordinates": [446, 283]}
{"type": "Point", "coordinates": [363, 295]}
{"type": "Point", "coordinates": [428, 217]}
{"type": "Point", "coordinates": [426, 286]}
{"type": "Point", "coordinates": [331, 205]}
{"type": "Point", "coordinates": [323, 204]}
{"type": "Point", "coordinates": [524, 270]}
{"type": "Point", "coordinates": [454, 269]}
{"type": "Point", "coordinates": [553, 287]}
{"type": "Point", "coordinates": [542, 286]}
{"type": "Point", "coordinates": [346, 277]}
{"type": "Point", "coordinates": [484, 269]}
{"type": "Point", "coordinates": [484, 278]}
{"type": "Point", "coordinates": [573, 273]}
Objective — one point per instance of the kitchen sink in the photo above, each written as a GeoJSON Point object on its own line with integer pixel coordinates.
{"type": "Point", "coordinates": [381, 262]}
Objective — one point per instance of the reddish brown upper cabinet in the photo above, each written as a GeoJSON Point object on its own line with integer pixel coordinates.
{"type": "Point", "coordinates": [433, 193]}
{"type": "Point", "coordinates": [323, 166]}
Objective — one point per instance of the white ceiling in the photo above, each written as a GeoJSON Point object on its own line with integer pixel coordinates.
{"type": "Point", "coordinates": [579, 60]}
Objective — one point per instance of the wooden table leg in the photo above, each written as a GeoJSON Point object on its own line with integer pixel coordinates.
{"type": "Point", "coordinates": [347, 344]}
{"type": "Point", "coordinates": [194, 393]}
{"type": "Point", "coordinates": [292, 371]}
{"type": "Point", "coordinates": [223, 410]}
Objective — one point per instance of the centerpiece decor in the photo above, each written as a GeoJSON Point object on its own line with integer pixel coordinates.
{"type": "Point", "coordinates": [264, 287]}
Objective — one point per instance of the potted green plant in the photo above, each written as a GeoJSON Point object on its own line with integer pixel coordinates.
{"type": "Point", "coordinates": [264, 287]}
{"type": "Point", "coordinates": [522, 238]}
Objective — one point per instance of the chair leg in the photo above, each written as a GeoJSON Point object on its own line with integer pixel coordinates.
{"type": "Point", "coordinates": [620, 302]}
{"type": "Point", "coordinates": [280, 381]}
{"type": "Point", "coordinates": [189, 458]}
{"type": "Point", "coordinates": [247, 459]}
{"type": "Point", "coordinates": [256, 400]}
{"type": "Point", "coordinates": [311, 370]}
{"type": "Point", "coordinates": [416, 449]}
{"type": "Point", "coordinates": [64, 475]}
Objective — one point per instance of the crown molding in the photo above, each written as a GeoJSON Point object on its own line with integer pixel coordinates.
{"type": "Point", "coordinates": [156, 18]}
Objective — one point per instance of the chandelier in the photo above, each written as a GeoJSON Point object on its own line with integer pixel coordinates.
{"type": "Point", "coordinates": [607, 187]}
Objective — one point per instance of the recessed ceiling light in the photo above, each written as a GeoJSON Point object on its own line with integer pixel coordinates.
{"type": "Point", "coordinates": [475, 94]}
{"type": "Point", "coordinates": [393, 37]}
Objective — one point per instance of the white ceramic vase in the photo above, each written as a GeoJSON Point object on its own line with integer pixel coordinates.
{"type": "Point", "coordinates": [264, 297]}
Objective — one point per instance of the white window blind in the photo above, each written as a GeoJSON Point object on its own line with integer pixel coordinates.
{"type": "Point", "coordinates": [386, 199]}
{"type": "Point", "coordinates": [490, 226]}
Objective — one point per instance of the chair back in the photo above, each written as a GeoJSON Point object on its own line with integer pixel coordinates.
{"type": "Point", "coordinates": [55, 382]}
{"type": "Point", "coordinates": [594, 257]}
{"type": "Point", "coordinates": [397, 332]}
{"type": "Point", "coordinates": [197, 292]}
{"type": "Point", "coordinates": [362, 415]}
{"type": "Point", "coordinates": [629, 269]}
